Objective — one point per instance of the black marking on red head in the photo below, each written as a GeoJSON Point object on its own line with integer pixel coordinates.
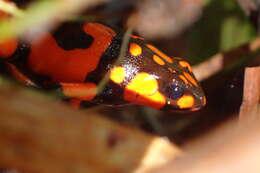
{"type": "Point", "coordinates": [71, 35]}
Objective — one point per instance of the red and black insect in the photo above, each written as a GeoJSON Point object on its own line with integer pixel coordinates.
{"type": "Point", "coordinates": [77, 56]}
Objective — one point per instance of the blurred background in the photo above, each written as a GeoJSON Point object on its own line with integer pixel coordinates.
{"type": "Point", "coordinates": [196, 30]}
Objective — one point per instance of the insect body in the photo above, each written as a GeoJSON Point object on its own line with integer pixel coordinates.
{"type": "Point", "coordinates": [77, 56]}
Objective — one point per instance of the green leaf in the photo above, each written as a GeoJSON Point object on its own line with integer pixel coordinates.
{"type": "Point", "coordinates": [222, 27]}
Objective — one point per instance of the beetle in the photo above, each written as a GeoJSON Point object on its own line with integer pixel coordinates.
{"type": "Point", "coordinates": [75, 58]}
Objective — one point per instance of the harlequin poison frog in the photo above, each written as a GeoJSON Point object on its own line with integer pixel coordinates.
{"type": "Point", "coordinates": [77, 56]}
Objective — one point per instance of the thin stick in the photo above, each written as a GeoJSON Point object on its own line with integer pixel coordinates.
{"type": "Point", "coordinates": [221, 61]}
{"type": "Point", "coordinates": [250, 108]}
{"type": "Point", "coordinates": [39, 135]}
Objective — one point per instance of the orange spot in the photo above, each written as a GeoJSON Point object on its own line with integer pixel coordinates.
{"type": "Point", "coordinates": [143, 90]}
{"type": "Point", "coordinates": [171, 70]}
{"type": "Point", "coordinates": [186, 101]}
{"type": "Point", "coordinates": [135, 49]}
{"type": "Point", "coordinates": [190, 78]}
{"type": "Point", "coordinates": [20, 77]}
{"type": "Point", "coordinates": [158, 60]}
{"type": "Point", "coordinates": [183, 79]}
{"type": "Point", "coordinates": [7, 48]}
{"type": "Point", "coordinates": [47, 58]}
{"type": "Point", "coordinates": [137, 37]}
{"type": "Point", "coordinates": [165, 57]}
{"type": "Point", "coordinates": [184, 64]}
{"type": "Point", "coordinates": [117, 74]}
{"type": "Point", "coordinates": [82, 91]}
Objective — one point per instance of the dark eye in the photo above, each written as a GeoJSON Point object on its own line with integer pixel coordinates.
{"type": "Point", "coordinates": [173, 91]}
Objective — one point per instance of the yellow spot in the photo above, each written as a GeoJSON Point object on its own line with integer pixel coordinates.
{"type": "Point", "coordinates": [117, 74]}
{"type": "Point", "coordinates": [83, 91]}
{"type": "Point", "coordinates": [135, 49]}
{"type": "Point", "coordinates": [144, 84]}
{"type": "Point", "coordinates": [191, 79]}
{"type": "Point", "coordinates": [184, 64]}
{"type": "Point", "coordinates": [186, 101]}
{"type": "Point", "coordinates": [143, 90]}
{"type": "Point", "coordinates": [183, 79]}
{"type": "Point", "coordinates": [165, 57]}
{"type": "Point", "coordinates": [158, 60]}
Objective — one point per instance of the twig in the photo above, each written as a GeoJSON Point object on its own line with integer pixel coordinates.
{"type": "Point", "coordinates": [39, 135]}
{"type": "Point", "coordinates": [10, 8]}
{"type": "Point", "coordinates": [229, 148]}
{"type": "Point", "coordinates": [248, 5]}
{"type": "Point", "coordinates": [44, 15]}
{"type": "Point", "coordinates": [251, 9]}
{"type": "Point", "coordinates": [221, 61]}
{"type": "Point", "coordinates": [250, 108]}
{"type": "Point", "coordinates": [155, 18]}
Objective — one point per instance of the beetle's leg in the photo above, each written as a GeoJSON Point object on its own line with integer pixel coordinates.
{"type": "Point", "coordinates": [75, 93]}
{"type": "Point", "coordinates": [19, 76]}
